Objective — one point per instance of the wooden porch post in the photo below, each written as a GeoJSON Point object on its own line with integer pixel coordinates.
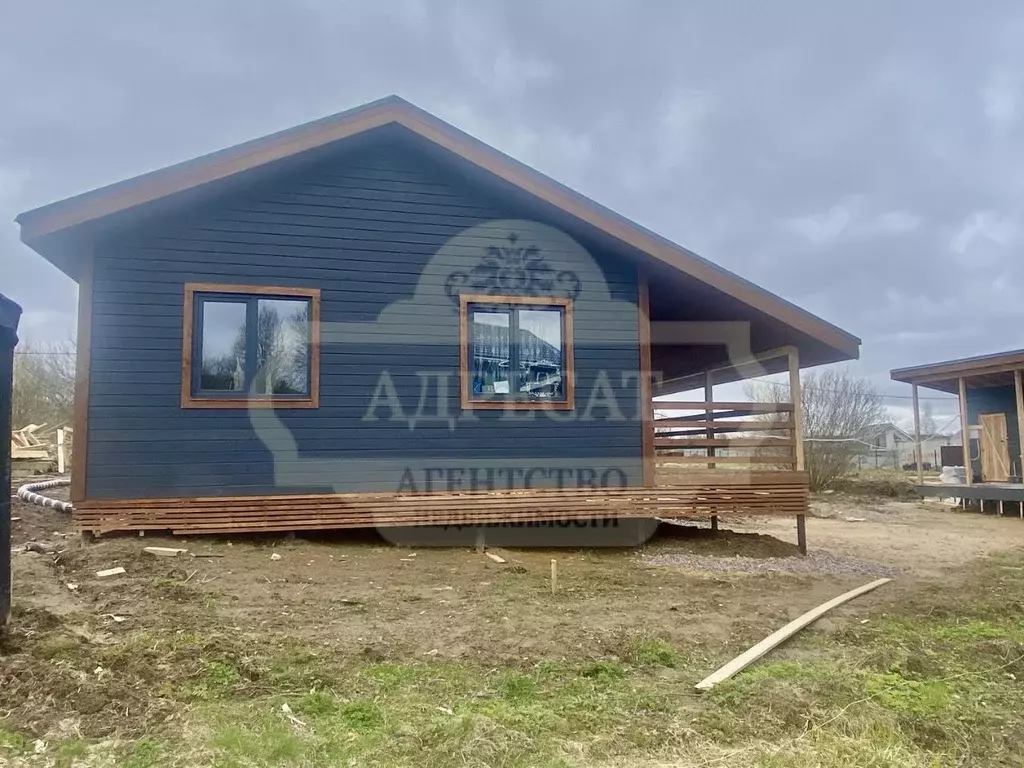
{"type": "Point", "coordinates": [798, 407]}
{"type": "Point", "coordinates": [1019, 391]}
{"type": "Point", "coordinates": [801, 534]}
{"type": "Point", "coordinates": [965, 435]}
{"type": "Point", "coordinates": [796, 398]}
{"type": "Point", "coordinates": [709, 414]}
{"type": "Point", "coordinates": [917, 436]}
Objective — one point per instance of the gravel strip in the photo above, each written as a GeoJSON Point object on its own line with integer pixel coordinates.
{"type": "Point", "coordinates": [816, 562]}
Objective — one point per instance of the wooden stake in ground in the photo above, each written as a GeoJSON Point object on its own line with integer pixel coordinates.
{"type": "Point", "coordinates": [60, 451]}
{"type": "Point", "coordinates": [778, 637]}
{"type": "Point", "coordinates": [554, 576]}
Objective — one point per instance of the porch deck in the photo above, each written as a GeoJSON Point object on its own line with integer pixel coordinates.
{"type": "Point", "coordinates": [978, 491]}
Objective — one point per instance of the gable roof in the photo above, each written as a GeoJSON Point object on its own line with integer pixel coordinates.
{"type": "Point", "coordinates": [873, 430]}
{"type": "Point", "coordinates": [40, 224]}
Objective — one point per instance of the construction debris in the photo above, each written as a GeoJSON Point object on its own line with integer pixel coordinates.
{"type": "Point", "coordinates": [164, 551]}
{"type": "Point", "coordinates": [496, 558]}
{"type": "Point", "coordinates": [38, 448]}
{"type": "Point", "coordinates": [26, 444]}
{"type": "Point", "coordinates": [779, 636]}
{"type": "Point", "coordinates": [110, 572]}
{"type": "Point", "coordinates": [41, 547]}
{"type": "Point", "coordinates": [287, 711]}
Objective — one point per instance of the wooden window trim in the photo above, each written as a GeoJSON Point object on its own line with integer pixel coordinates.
{"type": "Point", "coordinates": [568, 366]}
{"type": "Point", "coordinates": [188, 400]}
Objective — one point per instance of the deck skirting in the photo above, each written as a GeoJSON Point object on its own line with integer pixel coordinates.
{"type": "Point", "coordinates": [764, 493]}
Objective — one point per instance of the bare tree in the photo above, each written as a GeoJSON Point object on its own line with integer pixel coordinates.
{"type": "Point", "coordinates": [44, 384]}
{"type": "Point", "coordinates": [927, 419]}
{"type": "Point", "coordinates": [839, 410]}
{"type": "Point", "coordinates": [282, 353]}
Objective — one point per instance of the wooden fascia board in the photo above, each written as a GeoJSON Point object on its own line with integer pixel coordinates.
{"type": "Point", "coordinates": [168, 181]}
{"type": "Point", "coordinates": [627, 232]}
{"type": "Point", "coordinates": [175, 179]}
{"type": "Point", "coordinates": [950, 373]}
{"type": "Point", "coordinates": [973, 366]}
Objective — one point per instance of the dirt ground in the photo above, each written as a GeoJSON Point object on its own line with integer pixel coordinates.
{"type": "Point", "coordinates": [354, 592]}
{"type": "Point", "coordinates": [923, 539]}
{"type": "Point", "coordinates": [90, 657]}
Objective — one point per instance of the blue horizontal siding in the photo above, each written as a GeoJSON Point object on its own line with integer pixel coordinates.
{"type": "Point", "coordinates": [995, 400]}
{"type": "Point", "coordinates": [362, 229]}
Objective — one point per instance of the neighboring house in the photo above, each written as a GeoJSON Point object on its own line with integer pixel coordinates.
{"type": "Point", "coordinates": [887, 445]}
{"type": "Point", "coordinates": [991, 395]}
{"type": "Point", "coordinates": [884, 445]}
{"type": "Point", "coordinates": [375, 319]}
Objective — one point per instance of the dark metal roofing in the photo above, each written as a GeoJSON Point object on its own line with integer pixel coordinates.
{"type": "Point", "coordinates": [39, 225]}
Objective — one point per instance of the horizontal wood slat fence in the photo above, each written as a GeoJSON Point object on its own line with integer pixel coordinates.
{"type": "Point", "coordinates": [684, 495]}
{"type": "Point", "coordinates": [732, 433]}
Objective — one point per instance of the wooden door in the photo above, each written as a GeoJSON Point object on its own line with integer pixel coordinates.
{"type": "Point", "coordinates": [995, 452]}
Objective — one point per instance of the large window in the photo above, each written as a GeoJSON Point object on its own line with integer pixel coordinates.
{"type": "Point", "coordinates": [516, 352]}
{"type": "Point", "coordinates": [246, 345]}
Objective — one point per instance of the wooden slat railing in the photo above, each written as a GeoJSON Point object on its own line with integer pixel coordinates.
{"type": "Point", "coordinates": [746, 408]}
{"type": "Point", "coordinates": [722, 433]}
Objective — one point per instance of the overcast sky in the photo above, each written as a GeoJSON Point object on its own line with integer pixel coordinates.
{"type": "Point", "coordinates": [862, 160]}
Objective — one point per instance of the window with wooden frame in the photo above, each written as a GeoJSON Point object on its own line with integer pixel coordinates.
{"type": "Point", "coordinates": [247, 345]}
{"type": "Point", "coordinates": [516, 352]}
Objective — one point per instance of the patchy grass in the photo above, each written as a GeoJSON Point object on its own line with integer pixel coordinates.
{"type": "Point", "coordinates": [652, 652]}
{"type": "Point", "coordinates": [936, 682]}
{"type": "Point", "coordinates": [879, 484]}
{"type": "Point", "coordinates": [440, 713]}
{"type": "Point", "coordinates": [933, 679]}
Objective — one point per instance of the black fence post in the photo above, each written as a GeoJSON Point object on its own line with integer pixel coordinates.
{"type": "Point", "coordinates": [10, 313]}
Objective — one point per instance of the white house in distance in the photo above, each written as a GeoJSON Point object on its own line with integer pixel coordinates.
{"type": "Point", "coordinates": [887, 445]}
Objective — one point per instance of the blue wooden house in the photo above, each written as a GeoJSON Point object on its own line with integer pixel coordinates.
{"type": "Point", "coordinates": [375, 319]}
{"type": "Point", "coordinates": [990, 389]}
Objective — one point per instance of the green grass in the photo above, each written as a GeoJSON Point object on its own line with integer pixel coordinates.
{"type": "Point", "coordinates": [441, 713]}
{"type": "Point", "coordinates": [652, 652]}
{"type": "Point", "coordinates": [923, 691]}
{"type": "Point", "coordinates": [935, 678]}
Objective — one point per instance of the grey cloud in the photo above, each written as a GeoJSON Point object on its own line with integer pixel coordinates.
{"type": "Point", "coordinates": [865, 162]}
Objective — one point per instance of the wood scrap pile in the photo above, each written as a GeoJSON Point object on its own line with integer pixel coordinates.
{"type": "Point", "coordinates": [37, 447]}
{"type": "Point", "coordinates": [27, 444]}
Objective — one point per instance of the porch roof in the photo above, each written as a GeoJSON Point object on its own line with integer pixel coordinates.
{"type": "Point", "coordinates": [993, 370]}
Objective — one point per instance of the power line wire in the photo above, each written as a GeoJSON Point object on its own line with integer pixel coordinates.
{"type": "Point", "coordinates": [837, 392]}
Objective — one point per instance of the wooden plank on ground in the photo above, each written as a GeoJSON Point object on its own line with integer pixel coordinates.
{"type": "Point", "coordinates": [779, 636]}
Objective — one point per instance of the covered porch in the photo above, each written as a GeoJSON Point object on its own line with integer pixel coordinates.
{"type": "Point", "coordinates": [732, 457]}
{"type": "Point", "coordinates": [727, 455]}
{"type": "Point", "coordinates": [990, 395]}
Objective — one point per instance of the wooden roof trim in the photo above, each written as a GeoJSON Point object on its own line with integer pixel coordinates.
{"type": "Point", "coordinates": [193, 173]}
{"type": "Point", "coordinates": [220, 165]}
{"type": "Point", "coordinates": [964, 366]}
{"type": "Point", "coordinates": [628, 232]}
